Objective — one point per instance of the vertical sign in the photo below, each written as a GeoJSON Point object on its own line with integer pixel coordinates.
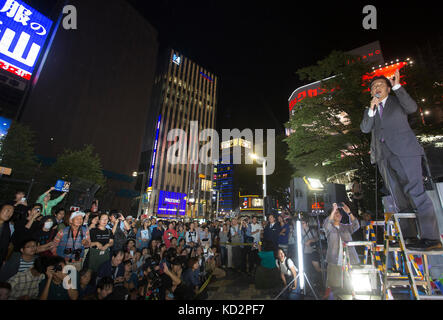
{"type": "Point", "coordinates": [151, 173]}
{"type": "Point", "coordinates": [23, 32]}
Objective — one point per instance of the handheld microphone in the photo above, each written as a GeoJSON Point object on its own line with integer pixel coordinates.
{"type": "Point", "coordinates": [377, 95]}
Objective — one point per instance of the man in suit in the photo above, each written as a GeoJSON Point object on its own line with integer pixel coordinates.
{"type": "Point", "coordinates": [398, 154]}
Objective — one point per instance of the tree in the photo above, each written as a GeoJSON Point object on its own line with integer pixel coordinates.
{"type": "Point", "coordinates": [17, 153]}
{"type": "Point", "coordinates": [327, 139]}
{"type": "Point", "coordinates": [82, 164]}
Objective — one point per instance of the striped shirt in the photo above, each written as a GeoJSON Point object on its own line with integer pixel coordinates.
{"type": "Point", "coordinates": [24, 265]}
{"type": "Point", "coordinates": [25, 284]}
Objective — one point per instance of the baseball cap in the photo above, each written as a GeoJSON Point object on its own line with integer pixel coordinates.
{"type": "Point", "coordinates": [76, 214]}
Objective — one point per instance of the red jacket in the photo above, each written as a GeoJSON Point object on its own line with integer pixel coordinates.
{"type": "Point", "coordinates": [168, 235]}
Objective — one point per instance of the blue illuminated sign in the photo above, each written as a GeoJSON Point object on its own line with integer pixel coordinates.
{"type": "Point", "coordinates": [169, 203]}
{"type": "Point", "coordinates": [151, 173]}
{"type": "Point", "coordinates": [23, 32]}
{"type": "Point", "coordinates": [5, 124]}
{"type": "Point", "coordinates": [176, 59]}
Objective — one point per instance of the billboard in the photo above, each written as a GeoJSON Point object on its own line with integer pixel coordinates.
{"type": "Point", "coordinates": [171, 203]}
{"type": "Point", "coordinates": [253, 202]}
{"type": "Point", "coordinates": [23, 33]}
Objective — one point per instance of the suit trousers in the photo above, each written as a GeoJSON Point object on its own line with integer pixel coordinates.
{"type": "Point", "coordinates": [404, 180]}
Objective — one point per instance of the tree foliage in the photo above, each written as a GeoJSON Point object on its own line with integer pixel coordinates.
{"type": "Point", "coordinates": [327, 139]}
{"type": "Point", "coordinates": [83, 164]}
{"type": "Point", "coordinates": [17, 151]}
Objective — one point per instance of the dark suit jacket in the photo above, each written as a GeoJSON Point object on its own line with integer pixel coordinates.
{"type": "Point", "coordinates": [393, 127]}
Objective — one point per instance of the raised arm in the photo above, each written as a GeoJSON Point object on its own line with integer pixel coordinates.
{"type": "Point", "coordinates": [407, 103]}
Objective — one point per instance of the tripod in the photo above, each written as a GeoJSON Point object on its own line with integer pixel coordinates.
{"type": "Point", "coordinates": [304, 290]}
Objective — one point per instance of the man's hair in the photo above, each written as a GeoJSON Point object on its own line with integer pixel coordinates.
{"type": "Point", "coordinates": [117, 252]}
{"type": "Point", "coordinates": [53, 261]}
{"type": "Point", "coordinates": [105, 282]}
{"type": "Point", "coordinates": [129, 261]}
{"type": "Point", "coordinates": [5, 285]}
{"type": "Point", "coordinates": [36, 205]}
{"type": "Point", "coordinates": [21, 191]}
{"type": "Point", "coordinates": [25, 242]}
{"type": "Point", "coordinates": [58, 210]}
{"type": "Point", "coordinates": [191, 262]}
{"type": "Point", "coordinates": [388, 83]}
{"type": "Point", "coordinates": [40, 264]}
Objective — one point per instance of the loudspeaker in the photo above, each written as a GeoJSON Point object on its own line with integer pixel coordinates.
{"type": "Point", "coordinates": [334, 193]}
{"type": "Point", "coordinates": [299, 195]}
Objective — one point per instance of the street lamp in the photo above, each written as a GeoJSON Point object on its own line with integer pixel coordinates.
{"type": "Point", "coordinates": [136, 174]}
{"type": "Point", "coordinates": [257, 157]}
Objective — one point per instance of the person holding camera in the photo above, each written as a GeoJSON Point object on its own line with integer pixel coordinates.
{"type": "Point", "coordinates": [119, 228]}
{"type": "Point", "coordinates": [53, 288]}
{"type": "Point", "coordinates": [336, 233]}
{"type": "Point", "coordinates": [71, 242]}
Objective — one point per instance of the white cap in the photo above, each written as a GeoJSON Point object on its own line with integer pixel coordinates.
{"type": "Point", "coordinates": [76, 214]}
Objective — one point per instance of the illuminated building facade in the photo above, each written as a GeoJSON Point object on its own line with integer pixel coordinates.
{"type": "Point", "coordinates": [227, 179]}
{"type": "Point", "coordinates": [184, 94]}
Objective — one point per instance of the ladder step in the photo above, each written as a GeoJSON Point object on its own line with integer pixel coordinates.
{"type": "Point", "coordinates": [436, 297]}
{"type": "Point", "coordinates": [427, 253]}
{"type": "Point", "coordinates": [392, 283]}
{"type": "Point", "coordinates": [405, 215]}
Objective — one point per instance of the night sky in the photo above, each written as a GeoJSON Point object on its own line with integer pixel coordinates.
{"type": "Point", "coordinates": [255, 47]}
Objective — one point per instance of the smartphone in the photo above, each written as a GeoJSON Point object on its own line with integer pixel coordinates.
{"type": "Point", "coordinates": [62, 186]}
{"type": "Point", "coordinates": [23, 199]}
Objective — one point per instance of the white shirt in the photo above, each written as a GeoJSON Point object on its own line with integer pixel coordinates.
{"type": "Point", "coordinates": [255, 227]}
{"type": "Point", "coordinates": [282, 266]}
{"type": "Point", "coordinates": [371, 112]}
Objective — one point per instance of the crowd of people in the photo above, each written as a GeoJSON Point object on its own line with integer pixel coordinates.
{"type": "Point", "coordinates": [117, 257]}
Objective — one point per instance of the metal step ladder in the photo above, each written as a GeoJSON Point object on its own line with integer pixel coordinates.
{"type": "Point", "coordinates": [412, 276]}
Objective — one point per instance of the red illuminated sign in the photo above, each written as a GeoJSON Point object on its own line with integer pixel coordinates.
{"type": "Point", "coordinates": [314, 89]}
{"type": "Point", "coordinates": [20, 72]}
{"type": "Point", "coordinates": [318, 206]}
{"type": "Point", "coordinates": [366, 56]}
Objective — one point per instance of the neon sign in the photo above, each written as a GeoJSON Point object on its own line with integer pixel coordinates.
{"type": "Point", "coordinates": [314, 89]}
{"type": "Point", "coordinates": [154, 155]}
{"type": "Point", "coordinates": [206, 77]}
{"type": "Point", "coordinates": [23, 33]}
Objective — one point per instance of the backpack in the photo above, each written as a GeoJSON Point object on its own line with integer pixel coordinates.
{"type": "Point", "coordinates": [286, 263]}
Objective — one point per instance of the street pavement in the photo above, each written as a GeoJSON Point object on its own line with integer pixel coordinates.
{"type": "Point", "coordinates": [238, 286]}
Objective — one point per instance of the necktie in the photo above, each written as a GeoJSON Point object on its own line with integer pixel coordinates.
{"type": "Point", "coordinates": [380, 109]}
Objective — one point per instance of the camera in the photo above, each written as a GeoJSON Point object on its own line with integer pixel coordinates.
{"type": "Point", "coordinates": [77, 253]}
{"type": "Point", "coordinates": [154, 279]}
{"type": "Point", "coordinates": [58, 268]}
